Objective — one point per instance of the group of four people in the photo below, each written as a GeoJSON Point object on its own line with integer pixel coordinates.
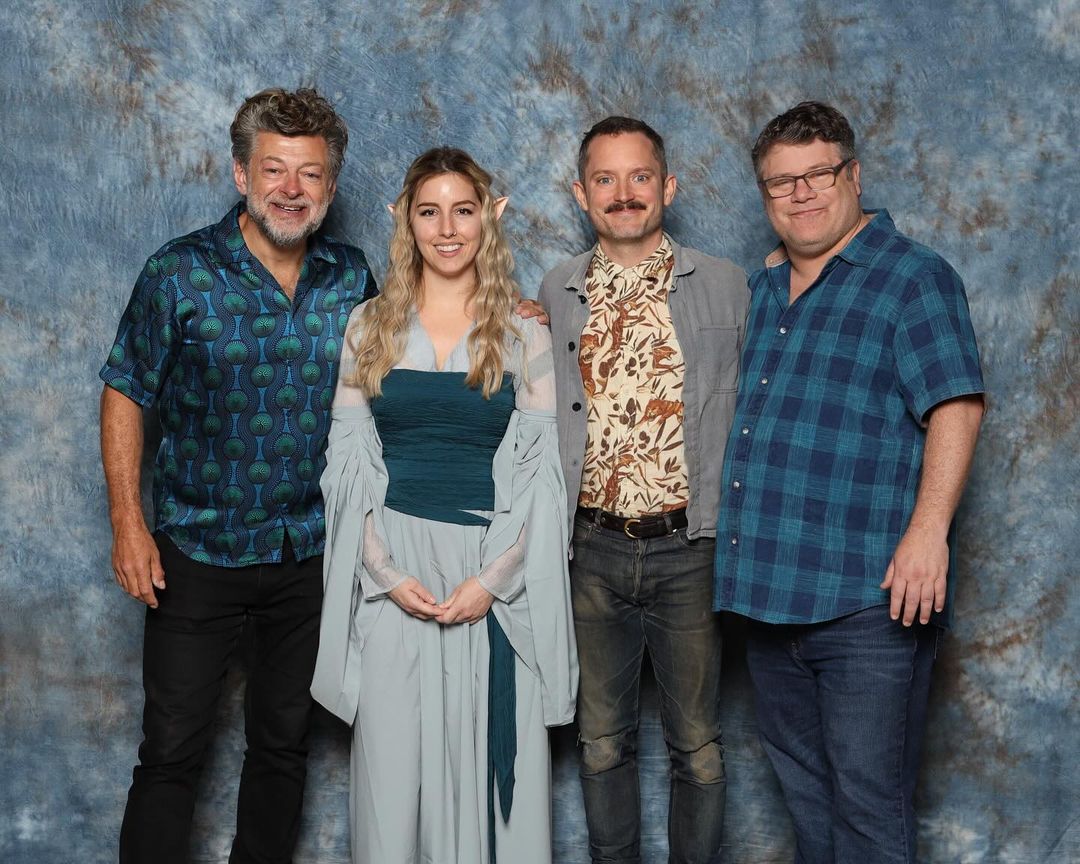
{"type": "Point", "coordinates": [417, 464]}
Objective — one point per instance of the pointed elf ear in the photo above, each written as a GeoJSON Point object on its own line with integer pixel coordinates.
{"type": "Point", "coordinates": [390, 207]}
{"type": "Point", "coordinates": [500, 205]}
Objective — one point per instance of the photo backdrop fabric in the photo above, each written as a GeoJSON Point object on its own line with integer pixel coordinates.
{"type": "Point", "coordinates": [115, 138]}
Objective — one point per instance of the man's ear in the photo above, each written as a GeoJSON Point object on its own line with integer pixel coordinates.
{"type": "Point", "coordinates": [670, 186]}
{"type": "Point", "coordinates": [854, 167]}
{"type": "Point", "coordinates": [500, 205]}
{"type": "Point", "coordinates": [239, 174]}
{"type": "Point", "coordinates": [579, 194]}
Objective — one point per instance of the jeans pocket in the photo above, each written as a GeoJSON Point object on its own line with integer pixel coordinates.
{"type": "Point", "coordinates": [583, 530]}
{"type": "Point", "coordinates": [699, 544]}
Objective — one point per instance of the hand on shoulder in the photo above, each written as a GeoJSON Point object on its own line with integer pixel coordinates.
{"type": "Point", "coordinates": [528, 309]}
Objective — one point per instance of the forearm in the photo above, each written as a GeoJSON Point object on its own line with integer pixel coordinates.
{"type": "Point", "coordinates": [503, 577]}
{"type": "Point", "coordinates": [950, 444]}
{"type": "Point", "coordinates": [385, 577]}
{"type": "Point", "coordinates": [121, 457]}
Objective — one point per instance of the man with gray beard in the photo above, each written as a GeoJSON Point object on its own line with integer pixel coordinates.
{"type": "Point", "coordinates": [233, 331]}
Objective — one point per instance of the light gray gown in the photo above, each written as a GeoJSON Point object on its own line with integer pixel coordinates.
{"type": "Point", "coordinates": [416, 692]}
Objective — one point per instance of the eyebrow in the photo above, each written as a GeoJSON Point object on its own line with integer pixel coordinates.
{"type": "Point", "coordinates": [302, 165]}
{"type": "Point", "coordinates": [455, 204]}
{"type": "Point", "coordinates": [641, 169]}
{"type": "Point", "coordinates": [814, 167]}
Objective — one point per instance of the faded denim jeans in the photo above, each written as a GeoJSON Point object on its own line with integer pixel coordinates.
{"type": "Point", "coordinates": [631, 594]}
{"type": "Point", "coordinates": [841, 710]}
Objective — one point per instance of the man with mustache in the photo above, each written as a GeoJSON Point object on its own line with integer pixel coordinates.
{"type": "Point", "coordinates": [858, 411]}
{"type": "Point", "coordinates": [233, 331]}
{"type": "Point", "coordinates": [646, 340]}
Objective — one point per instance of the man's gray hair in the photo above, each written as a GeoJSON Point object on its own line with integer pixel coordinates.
{"type": "Point", "coordinates": [303, 112]}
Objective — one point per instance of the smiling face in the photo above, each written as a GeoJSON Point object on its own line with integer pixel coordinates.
{"type": "Point", "coordinates": [287, 185]}
{"type": "Point", "coordinates": [812, 224]}
{"type": "Point", "coordinates": [445, 223]}
{"type": "Point", "coordinates": [624, 194]}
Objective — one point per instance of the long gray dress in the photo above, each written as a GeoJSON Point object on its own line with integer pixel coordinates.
{"type": "Point", "coordinates": [416, 692]}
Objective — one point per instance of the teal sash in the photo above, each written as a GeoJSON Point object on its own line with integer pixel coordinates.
{"type": "Point", "coordinates": [439, 439]}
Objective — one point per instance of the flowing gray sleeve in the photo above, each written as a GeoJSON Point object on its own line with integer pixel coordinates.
{"type": "Point", "coordinates": [527, 536]}
{"type": "Point", "coordinates": [378, 576]}
{"type": "Point", "coordinates": [534, 378]}
{"type": "Point", "coordinates": [354, 488]}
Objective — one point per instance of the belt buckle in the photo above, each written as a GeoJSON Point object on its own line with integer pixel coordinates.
{"type": "Point", "coordinates": [627, 525]}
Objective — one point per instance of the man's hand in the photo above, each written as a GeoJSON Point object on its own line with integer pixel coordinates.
{"type": "Point", "coordinates": [136, 562]}
{"type": "Point", "coordinates": [531, 309]}
{"type": "Point", "coordinates": [415, 599]}
{"type": "Point", "coordinates": [468, 603]}
{"type": "Point", "coordinates": [916, 577]}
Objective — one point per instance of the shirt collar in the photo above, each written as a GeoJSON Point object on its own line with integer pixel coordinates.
{"type": "Point", "coordinates": [860, 249]}
{"type": "Point", "coordinates": [229, 240]}
{"type": "Point", "coordinates": [603, 270]}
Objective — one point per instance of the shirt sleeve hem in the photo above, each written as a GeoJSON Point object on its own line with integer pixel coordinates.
{"type": "Point", "coordinates": [957, 391]}
{"type": "Point", "coordinates": [135, 393]}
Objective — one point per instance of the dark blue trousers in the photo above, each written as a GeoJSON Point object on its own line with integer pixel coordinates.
{"type": "Point", "coordinates": [629, 595]}
{"type": "Point", "coordinates": [841, 710]}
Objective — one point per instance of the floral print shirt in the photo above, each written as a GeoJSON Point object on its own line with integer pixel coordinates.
{"type": "Point", "coordinates": [632, 368]}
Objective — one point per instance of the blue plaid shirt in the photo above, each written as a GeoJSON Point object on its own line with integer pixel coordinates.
{"type": "Point", "coordinates": [824, 456]}
{"type": "Point", "coordinates": [243, 380]}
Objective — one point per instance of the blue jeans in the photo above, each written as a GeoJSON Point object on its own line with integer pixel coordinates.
{"type": "Point", "coordinates": [628, 595]}
{"type": "Point", "coordinates": [841, 709]}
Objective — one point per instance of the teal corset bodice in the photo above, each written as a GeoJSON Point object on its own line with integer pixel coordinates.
{"type": "Point", "coordinates": [439, 438]}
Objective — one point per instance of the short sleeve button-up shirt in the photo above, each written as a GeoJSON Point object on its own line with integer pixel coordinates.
{"type": "Point", "coordinates": [824, 456]}
{"type": "Point", "coordinates": [632, 368]}
{"type": "Point", "coordinates": [243, 379]}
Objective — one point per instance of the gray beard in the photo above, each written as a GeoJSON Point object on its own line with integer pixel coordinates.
{"type": "Point", "coordinates": [285, 239]}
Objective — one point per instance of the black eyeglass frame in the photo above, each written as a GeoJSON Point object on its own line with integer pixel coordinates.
{"type": "Point", "coordinates": [834, 170]}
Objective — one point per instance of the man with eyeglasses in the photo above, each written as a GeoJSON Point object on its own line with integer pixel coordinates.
{"type": "Point", "coordinates": [859, 403]}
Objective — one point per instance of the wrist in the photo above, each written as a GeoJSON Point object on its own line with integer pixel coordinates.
{"type": "Point", "coordinates": [933, 529]}
{"type": "Point", "coordinates": [126, 520]}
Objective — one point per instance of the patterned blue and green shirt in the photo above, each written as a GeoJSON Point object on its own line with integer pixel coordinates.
{"type": "Point", "coordinates": [243, 380]}
{"type": "Point", "coordinates": [825, 452]}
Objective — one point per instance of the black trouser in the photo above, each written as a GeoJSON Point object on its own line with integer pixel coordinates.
{"type": "Point", "coordinates": [188, 640]}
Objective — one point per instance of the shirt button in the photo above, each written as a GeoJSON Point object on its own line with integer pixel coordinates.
{"type": "Point", "coordinates": [571, 346]}
{"type": "Point", "coordinates": [736, 485]}
{"type": "Point", "coordinates": [783, 331]}
{"type": "Point", "coordinates": [745, 430]}
{"type": "Point", "coordinates": [734, 541]}
{"type": "Point", "coordinates": [576, 406]}
{"type": "Point", "coordinates": [764, 380]}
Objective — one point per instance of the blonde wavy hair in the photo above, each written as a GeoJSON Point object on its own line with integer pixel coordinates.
{"type": "Point", "coordinates": [378, 337]}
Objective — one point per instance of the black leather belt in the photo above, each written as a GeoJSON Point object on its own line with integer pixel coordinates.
{"type": "Point", "coordinates": [637, 527]}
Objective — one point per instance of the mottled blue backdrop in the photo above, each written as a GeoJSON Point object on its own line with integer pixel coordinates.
{"type": "Point", "coordinates": [115, 116]}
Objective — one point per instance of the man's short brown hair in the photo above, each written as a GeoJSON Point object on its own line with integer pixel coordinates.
{"type": "Point", "coordinates": [620, 126]}
{"type": "Point", "coordinates": [806, 122]}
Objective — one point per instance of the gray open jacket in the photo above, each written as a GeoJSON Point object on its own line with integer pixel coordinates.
{"type": "Point", "coordinates": [708, 302]}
